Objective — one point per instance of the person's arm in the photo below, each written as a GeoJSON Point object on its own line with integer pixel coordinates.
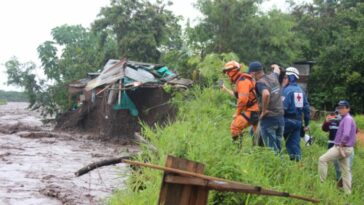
{"type": "Point", "coordinates": [288, 97]}
{"type": "Point", "coordinates": [230, 92]}
{"type": "Point", "coordinates": [346, 131]}
{"type": "Point", "coordinates": [306, 111]}
{"type": "Point", "coordinates": [243, 95]}
{"type": "Point", "coordinates": [265, 102]}
{"type": "Point", "coordinates": [325, 126]}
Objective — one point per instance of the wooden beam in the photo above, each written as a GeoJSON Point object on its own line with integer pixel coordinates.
{"type": "Point", "coordinates": [175, 179]}
{"type": "Point", "coordinates": [182, 194]}
{"type": "Point", "coordinates": [218, 183]}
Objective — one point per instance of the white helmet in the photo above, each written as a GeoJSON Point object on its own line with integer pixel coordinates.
{"type": "Point", "coordinates": [292, 71]}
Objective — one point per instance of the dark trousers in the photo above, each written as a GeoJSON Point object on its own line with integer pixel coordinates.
{"type": "Point", "coordinates": [292, 136]}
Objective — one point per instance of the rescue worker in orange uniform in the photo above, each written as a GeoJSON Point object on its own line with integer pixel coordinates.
{"type": "Point", "coordinates": [247, 111]}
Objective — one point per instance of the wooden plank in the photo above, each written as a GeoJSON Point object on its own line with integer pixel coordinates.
{"type": "Point", "coordinates": [218, 183]}
{"type": "Point", "coordinates": [228, 187]}
{"type": "Point", "coordinates": [187, 173]}
{"type": "Point", "coordinates": [186, 192]}
{"type": "Point", "coordinates": [181, 194]}
{"type": "Point", "coordinates": [174, 191]}
{"type": "Point", "coordinates": [200, 194]}
{"type": "Point", "coordinates": [173, 179]}
{"type": "Point", "coordinates": [163, 190]}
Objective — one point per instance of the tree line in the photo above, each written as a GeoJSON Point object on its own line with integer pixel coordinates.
{"type": "Point", "coordinates": [13, 96]}
{"type": "Point", "coordinates": [328, 32]}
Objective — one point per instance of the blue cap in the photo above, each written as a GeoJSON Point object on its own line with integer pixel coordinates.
{"type": "Point", "coordinates": [343, 103]}
{"type": "Point", "coordinates": [255, 66]}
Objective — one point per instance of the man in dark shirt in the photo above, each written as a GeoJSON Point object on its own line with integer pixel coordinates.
{"type": "Point", "coordinates": [330, 125]}
{"type": "Point", "coordinates": [269, 95]}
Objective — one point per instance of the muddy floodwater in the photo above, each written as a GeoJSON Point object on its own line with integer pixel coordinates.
{"type": "Point", "coordinates": [39, 168]}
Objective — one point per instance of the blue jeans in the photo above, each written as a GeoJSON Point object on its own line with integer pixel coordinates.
{"type": "Point", "coordinates": [272, 136]}
{"type": "Point", "coordinates": [292, 135]}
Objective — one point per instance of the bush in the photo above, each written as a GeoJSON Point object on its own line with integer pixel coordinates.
{"type": "Point", "coordinates": [201, 133]}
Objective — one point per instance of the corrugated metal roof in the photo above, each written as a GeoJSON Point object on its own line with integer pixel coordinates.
{"type": "Point", "coordinates": [135, 71]}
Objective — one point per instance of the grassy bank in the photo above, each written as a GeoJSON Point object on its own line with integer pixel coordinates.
{"type": "Point", "coordinates": [3, 102]}
{"type": "Point", "coordinates": [201, 133]}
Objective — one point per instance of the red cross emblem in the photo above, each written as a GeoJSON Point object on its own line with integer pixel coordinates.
{"type": "Point", "coordinates": [299, 97]}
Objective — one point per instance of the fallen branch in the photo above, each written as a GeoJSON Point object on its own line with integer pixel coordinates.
{"type": "Point", "coordinates": [112, 161]}
{"type": "Point", "coordinates": [101, 163]}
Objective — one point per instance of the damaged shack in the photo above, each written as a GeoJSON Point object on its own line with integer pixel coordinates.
{"type": "Point", "coordinates": [113, 102]}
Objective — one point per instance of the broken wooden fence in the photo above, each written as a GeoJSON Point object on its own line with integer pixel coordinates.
{"type": "Point", "coordinates": [185, 184]}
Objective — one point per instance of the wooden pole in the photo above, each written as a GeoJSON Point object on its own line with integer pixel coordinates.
{"type": "Point", "coordinates": [223, 184]}
{"type": "Point", "coordinates": [101, 163]}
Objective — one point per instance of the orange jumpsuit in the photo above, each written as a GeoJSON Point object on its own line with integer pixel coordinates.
{"type": "Point", "coordinates": [245, 93]}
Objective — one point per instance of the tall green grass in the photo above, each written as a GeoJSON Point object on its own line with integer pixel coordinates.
{"type": "Point", "coordinates": [3, 102]}
{"type": "Point", "coordinates": [359, 119]}
{"type": "Point", "coordinates": [201, 133]}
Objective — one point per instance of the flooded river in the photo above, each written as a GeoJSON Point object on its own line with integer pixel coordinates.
{"type": "Point", "coordinates": [39, 168]}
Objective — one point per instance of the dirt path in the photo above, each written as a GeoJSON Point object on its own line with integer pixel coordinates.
{"type": "Point", "coordinates": [360, 138]}
{"type": "Point", "coordinates": [39, 168]}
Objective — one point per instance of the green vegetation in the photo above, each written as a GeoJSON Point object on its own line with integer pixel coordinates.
{"type": "Point", "coordinates": [327, 32]}
{"type": "Point", "coordinates": [201, 133]}
{"type": "Point", "coordinates": [127, 28]}
{"type": "Point", "coordinates": [359, 119]}
{"type": "Point", "coordinates": [3, 102]}
{"type": "Point", "coordinates": [13, 96]}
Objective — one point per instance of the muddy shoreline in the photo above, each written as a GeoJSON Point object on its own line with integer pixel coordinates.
{"type": "Point", "coordinates": [37, 165]}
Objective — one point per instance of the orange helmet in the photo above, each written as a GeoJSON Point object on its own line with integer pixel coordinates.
{"type": "Point", "coordinates": [232, 69]}
{"type": "Point", "coordinates": [231, 65]}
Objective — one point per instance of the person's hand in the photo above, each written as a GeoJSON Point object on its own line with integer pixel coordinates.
{"type": "Point", "coordinates": [264, 113]}
{"type": "Point", "coordinates": [275, 69]}
{"type": "Point", "coordinates": [306, 128]}
{"type": "Point", "coordinates": [341, 150]}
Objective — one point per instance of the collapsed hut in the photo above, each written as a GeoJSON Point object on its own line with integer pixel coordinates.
{"type": "Point", "coordinates": [113, 102]}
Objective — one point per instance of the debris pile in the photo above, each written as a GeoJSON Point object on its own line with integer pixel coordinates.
{"type": "Point", "coordinates": [113, 102]}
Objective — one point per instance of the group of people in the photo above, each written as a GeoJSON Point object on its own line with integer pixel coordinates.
{"type": "Point", "coordinates": [279, 107]}
{"type": "Point", "coordinates": [276, 104]}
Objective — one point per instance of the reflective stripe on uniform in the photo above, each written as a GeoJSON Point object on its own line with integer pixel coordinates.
{"type": "Point", "coordinates": [333, 127]}
{"type": "Point", "coordinates": [243, 95]}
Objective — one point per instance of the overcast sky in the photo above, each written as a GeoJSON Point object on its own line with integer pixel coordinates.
{"type": "Point", "coordinates": [25, 24]}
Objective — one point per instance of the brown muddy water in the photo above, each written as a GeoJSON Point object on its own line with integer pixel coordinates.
{"type": "Point", "coordinates": [37, 165]}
